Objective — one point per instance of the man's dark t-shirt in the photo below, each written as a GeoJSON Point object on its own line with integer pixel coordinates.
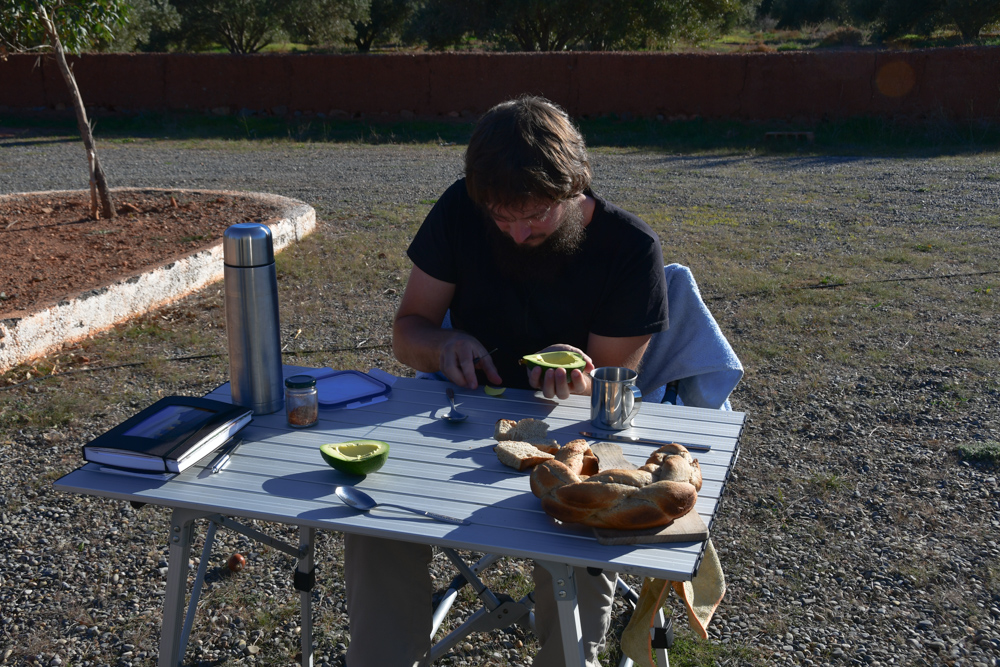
{"type": "Point", "coordinates": [613, 286]}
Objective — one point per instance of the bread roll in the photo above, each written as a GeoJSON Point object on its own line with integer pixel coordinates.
{"type": "Point", "coordinates": [530, 430]}
{"type": "Point", "coordinates": [520, 455]}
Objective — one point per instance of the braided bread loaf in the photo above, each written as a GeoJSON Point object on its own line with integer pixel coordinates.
{"type": "Point", "coordinates": [663, 489]}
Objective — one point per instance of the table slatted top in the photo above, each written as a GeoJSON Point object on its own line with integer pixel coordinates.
{"type": "Point", "coordinates": [279, 475]}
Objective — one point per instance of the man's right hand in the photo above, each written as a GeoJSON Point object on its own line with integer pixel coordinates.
{"type": "Point", "coordinates": [419, 341]}
{"type": "Point", "coordinates": [458, 363]}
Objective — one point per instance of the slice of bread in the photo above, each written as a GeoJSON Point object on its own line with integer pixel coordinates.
{"type": "Point", "coordinates": [520, 455]}
{"type": "Point", "coordinates": [530, 430]}
{"type": "Point", "coordinates": [503, 428]}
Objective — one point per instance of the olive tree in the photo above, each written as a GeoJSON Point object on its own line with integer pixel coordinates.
{"type": "Point", "coordinates": [149, 27]}
{"type": "Point", "coordinates": [667, 20]}
{"type": "Point", "coordinates": [80, 24]}
{"type": "Point", "coordinates": [30, 25]}
{"type": "Point", "coordinates": [556, 25]}
{"type": "Point", "coordinates": [325, 22]}
{"type": "Point", "coordinates": [889, 18]}
{"type": "Point", "coordinates": [797, 13]}
{"type": "Point", "coordinates": [922, 17]}
{"type": "Point", "coordinates": [444, 23]}
{"type": "Point", "coordinates": [384, 19]}
{"type": "Point", "coordinates": [971, 16]}
{"type": "Point", "coordinates": [247, 26]}
{"type": "Point", "coordinates": [241, 26]}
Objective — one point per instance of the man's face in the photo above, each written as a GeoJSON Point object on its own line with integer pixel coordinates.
{"type": "Point", "coordinates": [535, 241]}
{"type": "Point", "coordinates": [530, 225]}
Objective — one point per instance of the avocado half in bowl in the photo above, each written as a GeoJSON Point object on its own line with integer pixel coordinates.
{"type": "Point", "coordinates": [557, 359]}
{"type": "Point", "coordinates": [356, 457]}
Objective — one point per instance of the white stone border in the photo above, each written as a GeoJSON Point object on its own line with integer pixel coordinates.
{"type": "Point", "coordinates": [27, 336]}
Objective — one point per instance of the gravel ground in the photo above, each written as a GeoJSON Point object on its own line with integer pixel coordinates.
{"type": "Point", "coordinates": [854, 533]}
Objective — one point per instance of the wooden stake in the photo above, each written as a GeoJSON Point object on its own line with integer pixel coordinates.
{"type": "Point", "coordinates": [95, 212]}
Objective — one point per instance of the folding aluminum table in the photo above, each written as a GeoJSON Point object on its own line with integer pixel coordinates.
{"type": "Point", "coordinates": [279, 476]}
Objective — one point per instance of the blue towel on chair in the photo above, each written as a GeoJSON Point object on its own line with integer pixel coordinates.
{"type": "Point", "coordinates": [693, 351]}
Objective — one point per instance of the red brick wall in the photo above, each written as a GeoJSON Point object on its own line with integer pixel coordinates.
{"type": "Point", "coordinates": [956, 84]}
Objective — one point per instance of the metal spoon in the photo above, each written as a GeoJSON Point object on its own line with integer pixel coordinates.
{"type": "Point", "coordinates": [453, 416]}
{"type": "Point", "coordinates": [362, 501]}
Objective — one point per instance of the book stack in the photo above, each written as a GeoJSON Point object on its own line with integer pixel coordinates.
{"type": "Point", "coordinates": [169, 436]}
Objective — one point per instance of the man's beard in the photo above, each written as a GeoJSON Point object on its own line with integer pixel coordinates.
{"type": "Point", "coordinates": [546, 260]}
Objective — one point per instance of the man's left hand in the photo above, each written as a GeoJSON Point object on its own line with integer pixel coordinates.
{"type": "Point", "coordinates": [557, 382]}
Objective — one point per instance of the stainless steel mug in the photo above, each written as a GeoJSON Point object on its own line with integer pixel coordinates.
{"type": "Point", "coordinates": [614, 398]}
{"type": "Point", "coordinates": [252, 318]}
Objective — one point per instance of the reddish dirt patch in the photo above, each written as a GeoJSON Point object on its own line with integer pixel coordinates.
{"type": "Point", "coordinates": [50, 248]}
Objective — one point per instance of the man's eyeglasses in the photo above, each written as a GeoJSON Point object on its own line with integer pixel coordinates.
{"type": "Point", "coordinates": [538, 218]}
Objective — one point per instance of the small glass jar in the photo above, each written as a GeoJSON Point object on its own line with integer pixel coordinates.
{"type": "Point", "coordinates": [301, 401]}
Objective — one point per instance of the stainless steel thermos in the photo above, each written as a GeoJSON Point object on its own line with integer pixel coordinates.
{"type": "Point", "coordinates": [252, 318]}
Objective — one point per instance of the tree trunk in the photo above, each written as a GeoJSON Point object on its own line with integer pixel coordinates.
{"type": "Point", "coordinates": [98, 181]}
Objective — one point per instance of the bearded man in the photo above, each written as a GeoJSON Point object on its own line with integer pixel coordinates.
{"type": "Point", "coordinates": [527, 258]}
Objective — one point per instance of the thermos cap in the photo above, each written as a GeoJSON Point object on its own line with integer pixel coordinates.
{"type": "Point", "coordinates": [247, 244]}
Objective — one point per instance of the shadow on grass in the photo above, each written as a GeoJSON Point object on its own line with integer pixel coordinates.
{"type": "Point", "coordinates": [856, 136]}
{"type": "Point", "coordinates": [25, 140]}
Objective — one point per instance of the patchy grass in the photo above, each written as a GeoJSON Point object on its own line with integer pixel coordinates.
{"type": "Point", "coordinates": [827, 483]}
{"type": "Point", "coordinates": [862, 135]}
{"type": "Point", "coordinates": [980, 452]}
{"type": "Point", "coordinates": [44, 409]}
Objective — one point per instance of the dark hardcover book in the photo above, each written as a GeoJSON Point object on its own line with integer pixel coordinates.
{"type": "Point", "coordinates": [168, 436]}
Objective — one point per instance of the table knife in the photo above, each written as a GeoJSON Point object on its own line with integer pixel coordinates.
{"type": "Point", "coordinates": [614, 437]}
{"type": "Point", "coordinates": [222, 459]}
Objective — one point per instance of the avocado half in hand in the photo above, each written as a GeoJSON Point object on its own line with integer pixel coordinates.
{"type": "Point", "coordinates": [556, 359]}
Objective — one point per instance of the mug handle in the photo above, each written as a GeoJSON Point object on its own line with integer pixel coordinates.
{"type": "Point", "coordinates": [636, 396]}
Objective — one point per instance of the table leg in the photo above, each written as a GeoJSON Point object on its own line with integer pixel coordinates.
{"type": "Point", "coordinates": [199, 580]}
{"type": "Point", "coordinates": [307, 537]}
{"type": "Point", "coordinates": [564, 587]}
{"type": "Point", "coordinates": [181, 531]}
{"type": "Point", "coordinates": [662, 659]}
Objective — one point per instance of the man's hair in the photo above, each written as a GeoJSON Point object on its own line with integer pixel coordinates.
{"type": "Point", "coordinates": [525, 149]}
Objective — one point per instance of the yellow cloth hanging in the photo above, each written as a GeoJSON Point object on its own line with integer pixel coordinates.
{"type": "Point", "coordinates": [701, 597]}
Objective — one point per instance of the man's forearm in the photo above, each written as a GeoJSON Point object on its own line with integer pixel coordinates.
{"type": "Point", "coordinates": [417, 343]}
{"type": "Point", "coordinates": [427, 347]}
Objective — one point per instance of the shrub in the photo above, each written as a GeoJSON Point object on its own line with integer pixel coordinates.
{"type": "Point", "coordinates": [843, 36]}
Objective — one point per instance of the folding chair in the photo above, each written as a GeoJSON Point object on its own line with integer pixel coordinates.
{"type": "Point", "coordinates": [692, 358]}
{"type": "Point", "coordinates": [502, 611]}
{"type": "Point", "coordinates": [692, 364]}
